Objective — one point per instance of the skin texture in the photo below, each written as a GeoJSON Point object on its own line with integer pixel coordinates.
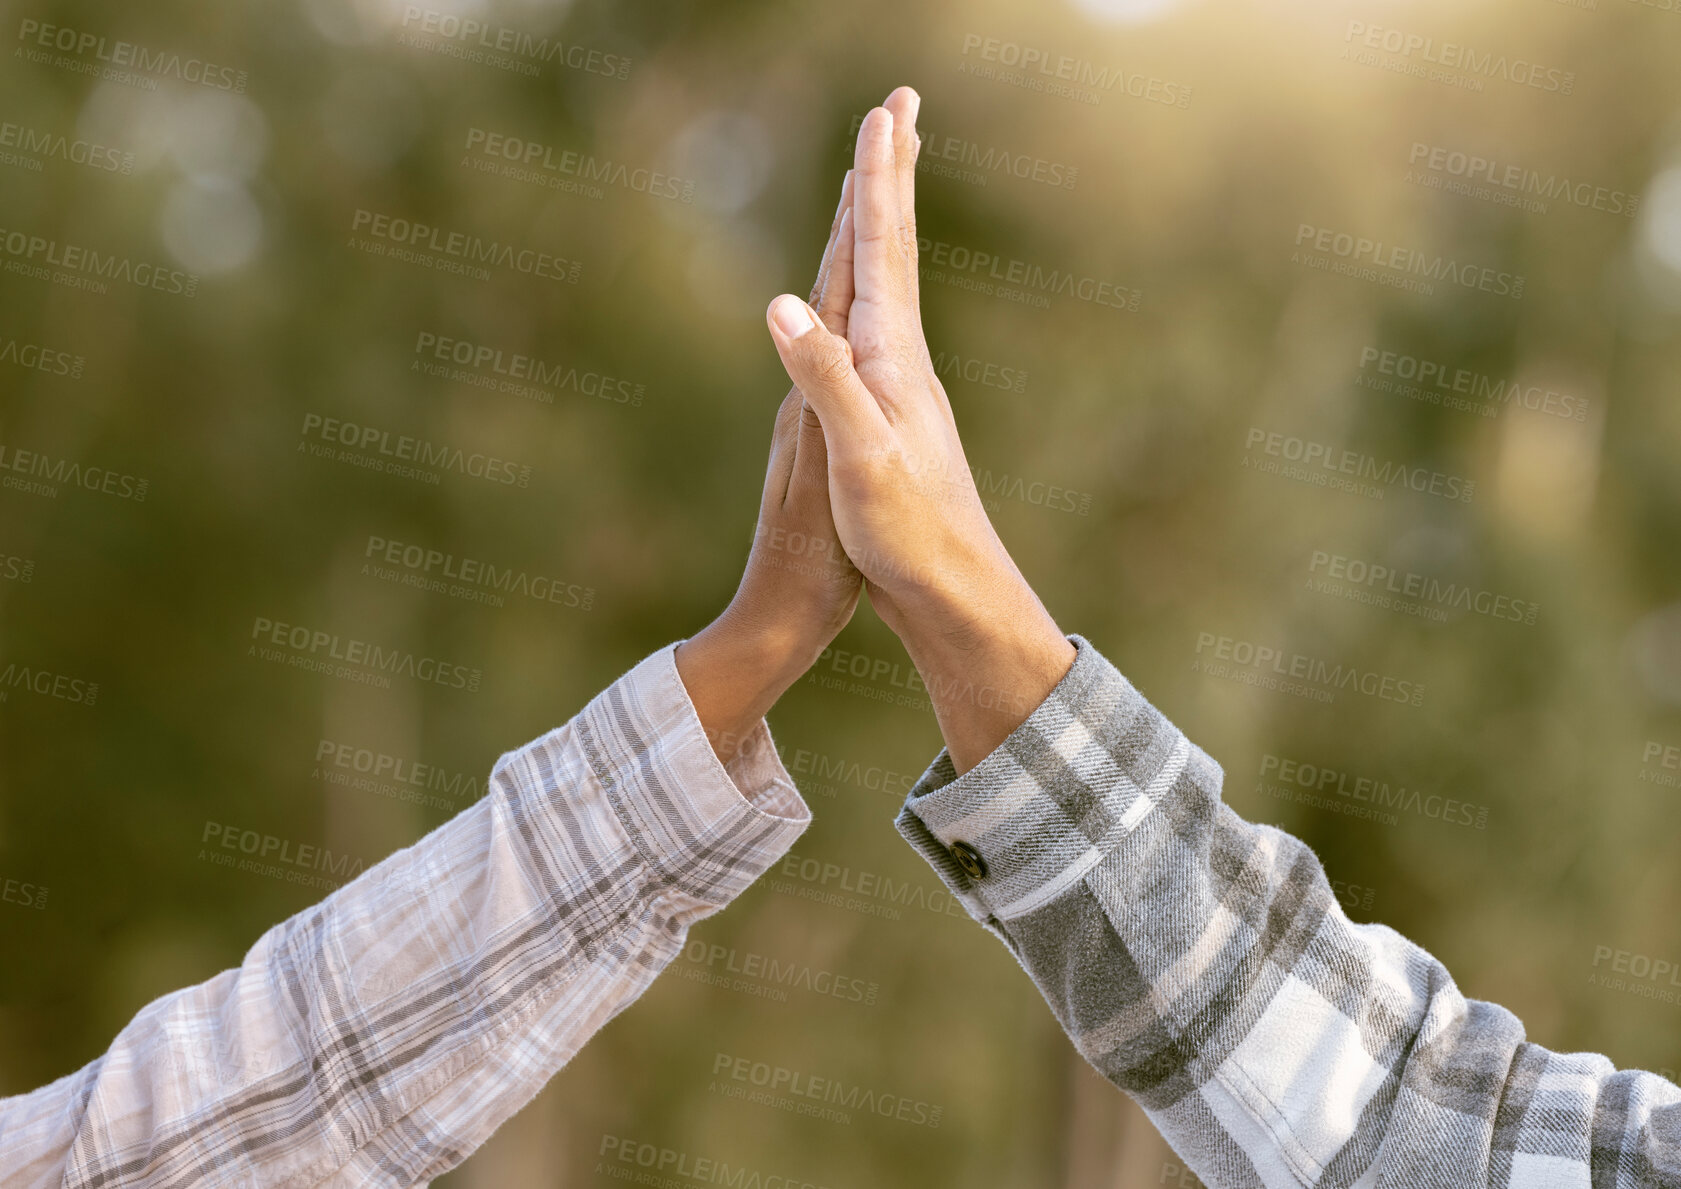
{"type": "Point", "coordinates": [904, 501]}
{"type": "Point", "coordinates": [866, 453]}
{"type": "Point", "coordinates": [798, 589]}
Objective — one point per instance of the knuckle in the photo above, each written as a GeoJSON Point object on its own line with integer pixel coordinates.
{"type": "Point", "coordinates": [869, 342]}
{"type": "Point", "coordinates": [882, 373]}
{"type": "Point", "coordinates": [830, 366]}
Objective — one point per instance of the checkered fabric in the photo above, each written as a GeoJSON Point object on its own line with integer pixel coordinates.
{"type": "Point", "coordinates": [379, 1037]}
{"type": "Point", "coordinates": [1203, 965]}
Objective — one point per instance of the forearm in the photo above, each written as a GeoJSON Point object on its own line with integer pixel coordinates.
{"type": "Point", "coordinates": [380, 1036]}
{"type": "Point", "coordinates": [735, 671]}
{"type": "Point", "coordinates": [1202, 964]}
{"type": "Point", "coordinates": [986, 649]}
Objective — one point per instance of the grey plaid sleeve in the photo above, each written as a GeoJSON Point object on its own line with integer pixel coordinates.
{"type": "Point", "coordinates": [380, 1036]}
{"type": "Point", "coordinates": [1204, 966]}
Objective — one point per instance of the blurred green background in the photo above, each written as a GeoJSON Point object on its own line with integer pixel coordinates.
{"type": "Point", "coordinates": [1205, 157]}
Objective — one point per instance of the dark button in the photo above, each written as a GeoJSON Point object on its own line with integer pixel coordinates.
{"type": "Point", "coordinates": [969, 859]}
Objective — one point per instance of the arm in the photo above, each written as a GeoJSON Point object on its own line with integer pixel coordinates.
{"type": "Point", "coordinates": [1199, 962]}
{"type": "Point", "coordinates": [1203, 964]}
{"type": "Point", "coordinates": [381, 1036]}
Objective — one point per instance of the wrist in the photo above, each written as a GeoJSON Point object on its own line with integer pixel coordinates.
{"type": "Point", "coordinates": [989, 654]}
{"type": "Point", "coordinates": [735, 669]}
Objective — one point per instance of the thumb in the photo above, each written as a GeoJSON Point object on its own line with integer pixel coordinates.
{"type": "Point", "coordinates": [820, 365]}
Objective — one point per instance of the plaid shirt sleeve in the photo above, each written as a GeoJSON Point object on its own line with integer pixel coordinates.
{"type": "Point", "coordinates": [1203, 965]}
{"type": "Point", "coordinates": [382, 1035]}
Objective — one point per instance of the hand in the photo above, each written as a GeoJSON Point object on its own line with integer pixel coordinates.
{"type": "Point", "coordinates": [799, 589]}
{"type": "Point", "coordinates": [904, 500]}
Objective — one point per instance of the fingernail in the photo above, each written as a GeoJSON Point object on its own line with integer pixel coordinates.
{"type": "Point", "coordinates": [916, 104]}
{"type": "Point", "coordinates": [793, 317]}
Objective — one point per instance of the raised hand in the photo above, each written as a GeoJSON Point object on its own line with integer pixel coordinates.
{"type": "Point", "coordinates": [798, 589]}
{"type": "Point", "coordinates": [903, 498]}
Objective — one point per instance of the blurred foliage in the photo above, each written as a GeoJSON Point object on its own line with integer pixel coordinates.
{"type": "Point", "coordinates": [1146, 415]}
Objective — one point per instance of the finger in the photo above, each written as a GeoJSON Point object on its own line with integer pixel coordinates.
{"type": "Point", "coordinates": [832, 297]}
{"type": "Point", "coordinates": [879, 261]}
{"type": "Point", "coordinates": [834, 236]}
{"type": "Point", "coordinates": [820, 364]}
{"type": "Point", "coordinates": [835, 301]}
{"type": "Point", "coordinates": [832, 305]}
{"type": "Point", "coordinates": [808, 496]}
{"type": "Point", "coordinates": [784, 447]}
{"type": "Point", "coordinates": [904, 103]}
{"type": "Point", "coordinates": [810, 478]}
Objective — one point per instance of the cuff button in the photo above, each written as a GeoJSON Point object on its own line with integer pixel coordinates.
{"type": "Point", "coordinates": [969, 859]}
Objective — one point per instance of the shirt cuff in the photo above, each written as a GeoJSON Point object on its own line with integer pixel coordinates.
{"type": "Point", "coordinates": [1050, 802]}
{"type": "Point", "coordinates": [704, 828]}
